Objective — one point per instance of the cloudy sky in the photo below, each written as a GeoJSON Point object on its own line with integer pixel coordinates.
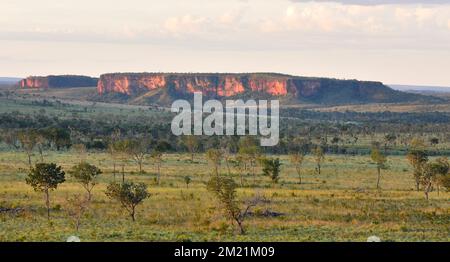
{"type": "Point", "coordinates": [397, 42]}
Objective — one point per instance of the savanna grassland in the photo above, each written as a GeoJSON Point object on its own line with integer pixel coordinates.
{"type": "Point", "coordinates": [341, 203]}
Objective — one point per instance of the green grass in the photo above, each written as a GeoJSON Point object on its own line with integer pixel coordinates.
{"type": "Point", "coordinates": [341, 204]}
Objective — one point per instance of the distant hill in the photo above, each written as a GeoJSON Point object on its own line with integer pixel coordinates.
{"type": "Point", "coordinates": [8, 81]}
{"type": "Point", "coordinates": [58, 81]}
{"type": "Point", "coordinates": [416, 88]}
{"type": "Point", "coordinates": [436, 91]}
{"type": "Point", "coordinates": [163, 88]}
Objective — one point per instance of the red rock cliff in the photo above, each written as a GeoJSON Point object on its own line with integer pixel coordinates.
{"type": "Point", "coordinates": [34, 82]}
{"type": "Point", "coordinates": [222, 85]}
{"type": "Point", "coordinates": [316, 90]}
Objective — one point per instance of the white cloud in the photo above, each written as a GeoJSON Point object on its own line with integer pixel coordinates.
{"type": "Point", "coordinates": [184, 25]}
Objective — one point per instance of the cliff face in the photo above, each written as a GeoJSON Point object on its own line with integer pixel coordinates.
{"type": "Point", "coordinates": [34, 82]}
{"type": "Point", "coordinates": [317, 90]}
{"type": "Point", "coordinates": [220, 85]}
{"type": "Point", "coordinates": [62, 81]}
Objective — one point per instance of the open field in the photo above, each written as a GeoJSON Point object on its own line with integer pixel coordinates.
{"type": "Point", "coordinates": [341, 204]}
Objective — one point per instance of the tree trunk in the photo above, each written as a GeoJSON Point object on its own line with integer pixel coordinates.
{"type": "Point", "coordinates": [379, 177]}
{"type": "Point", "coordinates": [29, 160]}
{"type": "Point", "coordinates": [159, 173]}
{"type": "Point", "coordinates": [133, 217]}
{"type": "Point", "coordinates": [299, 176]}
{"type": "Point", "coordinates": [318, 168]}
{"type": "Point", "coordinates": [241, 227]}
{"type": "Point", "coordinates": [41, 153]}
{"type": "Point", "coordinates": [114, 171]}
{"type": "Point", "coordinates": [123, 173]}
{"type": "Point", "coordinates": [47, 203]}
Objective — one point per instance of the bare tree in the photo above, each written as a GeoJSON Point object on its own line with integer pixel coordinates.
{"type": "Point", "coordinates": [192, 144]}
{"type": "Point", "coordinates": [76, 208]}
{"type": "Point", "coordinates": [224, 189]}
{"type": "Point", "coordinates": [28, 141]}
{"type": "Point", "coordinates": [297, 160]}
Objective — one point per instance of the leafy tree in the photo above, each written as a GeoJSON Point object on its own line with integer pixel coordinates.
{"type": "Point", "coordinates": [45, 178]}
{"type": "Point", "coordinates": [11, 139]}
{"type": "Point", "coordinates": [440, 169]}
{"type": "Point", "coordinates": [59, 136]}
{"type": "Point", "coordinates": [271, 168]}
{"type": "Point", "coordinates": [86, 175]}
{"type": "Point", "coordinates": [187, 181]}
{"type": "Point", "coordinates": [380, 160]}
{"type": "Point", "coordinates": [389, 139]}
{"type": "Point", "coordinates": [417, 157]}
{"type": "Point", "coordinates": [434, 141]}
{"type": "Point", "coordinates": [224, 189]}
{"type": "Point", "coordinates": [319, 156]}
{"type": "Point", "coordinates": [297, 159]}
{"type": "Point", "coordinates": [129, 194]}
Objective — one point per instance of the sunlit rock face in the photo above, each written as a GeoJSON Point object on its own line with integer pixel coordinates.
{"type": "Point", "coordinates": [219, 85]}
{"type": "Point", "coordinates": [34, 82]}
{"type": "Point", "coordinates": [222, 85]}
{"type": "Point", "coordinates": [58, 81]}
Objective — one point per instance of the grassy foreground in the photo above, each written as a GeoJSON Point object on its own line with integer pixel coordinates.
{"type": "Point", "coordinates": [341, 204]}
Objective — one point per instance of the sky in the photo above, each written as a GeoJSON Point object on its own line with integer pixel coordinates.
{"type": "Point", "coordinates": [393, 41]}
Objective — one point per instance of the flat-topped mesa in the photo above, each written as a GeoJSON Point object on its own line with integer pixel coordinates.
{"type": "Point", "coordinates": [221, 85]}
{"type": "Point", "coordinates": [58, 81]}
{"type": "Point", "coordinates": [317, 90]}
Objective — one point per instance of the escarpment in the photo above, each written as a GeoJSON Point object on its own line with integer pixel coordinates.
{"type": "Point", "coordinates": [58, 81]}
{"type": "Point", "coordinates": [222, 85]}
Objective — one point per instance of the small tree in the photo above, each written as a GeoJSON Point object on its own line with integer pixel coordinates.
{"type": "Point", "coordinates": [157, 157]}
{"type": "Point", "coordinates": [440, 171]}
{"type": "Point", "coordinates": [86, 175]}
{"type": "Point", "coordinates": [129, 195]}
{"type": "Point", "coordinates": [250, 152]}
{"type": "Point", "coordinates": [45, 178]}
{"type": "Point", "coordinates": [28, 141]}
{"type": "Point", "coordinates": [122, 153]}
{"type": "Point", "coordinates": [297, 160]}
{"type": "Point", "coordinates": [214, 157]}
{"type": "Point", "coordinates": [138, 150]}
{"type": "Point", "coordinates": [192, 144]}
{"type": "Point", "coordinates": [271, 168]}
{"type": "Point", "coordinates": [224, 189]}
{"type": "Point", "coordinates": [319, 156]}
{"type": "Point", "coordinates": [380, 160]}
{"type": "Point", "coordinates": [187, 180]}
{"type": "Point", "coordinates": [80, 150]}
{"type": "Point", "coordinates": [76, 208]}
{"type": "Point", "coordinates": [417, 157]}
